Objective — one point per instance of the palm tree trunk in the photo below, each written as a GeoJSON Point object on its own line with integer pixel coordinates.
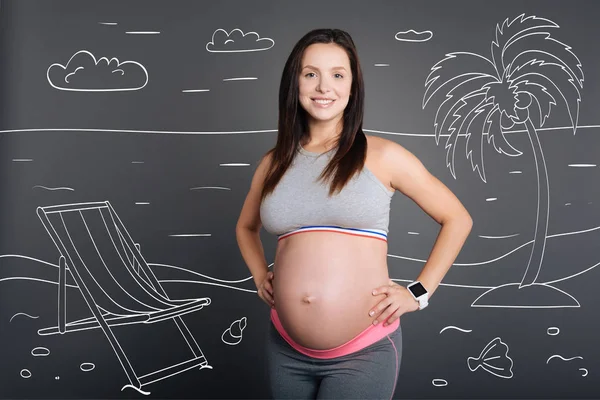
{"type": "Point", "coordinates": [543, 209]}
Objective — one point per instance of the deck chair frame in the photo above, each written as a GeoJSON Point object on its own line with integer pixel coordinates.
{"type": "Point", "coordinates": [105, 321]}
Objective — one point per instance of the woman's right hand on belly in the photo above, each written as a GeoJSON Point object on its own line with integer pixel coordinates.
{"type": "Point", "coordinates": [265, 289]}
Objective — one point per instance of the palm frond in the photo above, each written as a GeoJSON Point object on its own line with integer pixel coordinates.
{"type": "Point", "coordinates": [460, 90]}
{"type": "Point", "coordinates": [512, 30]}
{"type": "Point", "coordinates": [448, 120]}
{"type": "Point", "coordinates": [555, 78]}
{"type": "Point", "coordinates": [477, 123]}
{"type": "Point", "coordinates": [540, 46]}
{"type": "Point", "coordinates": [463, 115]}
{"type": "Point", "coordinates": [453, 69]}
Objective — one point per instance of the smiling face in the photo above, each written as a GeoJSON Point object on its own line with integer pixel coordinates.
{"type": "Point", "coordinates": [325, 82]}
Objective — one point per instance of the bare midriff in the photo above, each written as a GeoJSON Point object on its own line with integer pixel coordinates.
{"type": "Point", "coordinates": [323, 283]}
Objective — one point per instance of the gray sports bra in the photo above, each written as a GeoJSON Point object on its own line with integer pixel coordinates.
{"type": "Point", "coordinates": [300, 203]}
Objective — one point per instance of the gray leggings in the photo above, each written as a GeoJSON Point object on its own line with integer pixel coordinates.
{"type": "Point", "coordinates": [370, 373]}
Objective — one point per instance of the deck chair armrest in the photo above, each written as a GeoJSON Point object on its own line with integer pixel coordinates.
{"type": "Point", "coordinates": [178, 310]}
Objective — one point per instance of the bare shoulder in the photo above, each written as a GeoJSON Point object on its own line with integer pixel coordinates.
{"type": "Point", "coordinates": [386, 147]}
{"type": "Point", "coordinates": [264, 164]}
{"type": "Point", "coordinates": [376, 148]}
{"type": "Point", "coordinates": [250, 215]}
{"type": "Point", "coordinates": [382, 147]}
{"type": "Point", "coordinates": [260, 173]}
{"type": "Point", "coordinates": [396, 164]}
{"type": "Point", "coordinates": [394, 156]}
{"type": "Point", "coordinates": [375, 143]}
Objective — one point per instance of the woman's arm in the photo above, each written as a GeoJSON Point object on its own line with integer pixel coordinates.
{"type": "Point", "coordinates": [247, 233]}
{"type": "Point", "coordinates": [409, 176]}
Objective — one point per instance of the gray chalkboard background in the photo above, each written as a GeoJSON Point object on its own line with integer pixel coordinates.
{"type": "Point", "coordinates": [158, 148]}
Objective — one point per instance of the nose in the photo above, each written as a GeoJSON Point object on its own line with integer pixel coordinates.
{"type": "Point", "coordinates": [323, 86]}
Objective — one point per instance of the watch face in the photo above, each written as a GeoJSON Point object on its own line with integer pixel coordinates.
{"type": "Point", "coordinates": [417, 289]}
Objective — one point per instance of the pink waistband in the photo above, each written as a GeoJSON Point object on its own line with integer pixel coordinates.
{"type": "Point", "coordinates": [370, 335]}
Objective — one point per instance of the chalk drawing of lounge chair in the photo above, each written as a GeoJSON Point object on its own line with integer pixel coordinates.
{"type": "Point", "coordinates": [116, 282]}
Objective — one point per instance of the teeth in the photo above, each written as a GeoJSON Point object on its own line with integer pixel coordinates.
{"type": "Point", "coordinates": [323, 101]}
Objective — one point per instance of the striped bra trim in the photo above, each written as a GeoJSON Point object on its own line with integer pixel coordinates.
{"type": "Point", "coordinates": [373, 233]}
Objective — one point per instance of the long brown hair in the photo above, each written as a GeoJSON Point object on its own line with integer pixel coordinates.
{"type": "Point", "coordinates": [293, 122]}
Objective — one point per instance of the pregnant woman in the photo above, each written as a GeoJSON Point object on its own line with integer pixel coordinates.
{"type": "Point", "coordinates": [325, 191]}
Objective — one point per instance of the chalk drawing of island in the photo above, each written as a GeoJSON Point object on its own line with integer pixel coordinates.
{"type": "Point", "coordinates": [528, 73]}
{"type": "Point", "coordinates": [116, 282]}
{"type": "Point", "coordinates": [83, 73]}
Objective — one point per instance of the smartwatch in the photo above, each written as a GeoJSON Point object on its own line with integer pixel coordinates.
{"type": "Point", "coordinates": [419, 292]}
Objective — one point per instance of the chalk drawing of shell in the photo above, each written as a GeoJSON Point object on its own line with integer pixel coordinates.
{"type": "Point", "coordinates": [493, 359]}
{"type": "Point", "coordinates": [233, 335]}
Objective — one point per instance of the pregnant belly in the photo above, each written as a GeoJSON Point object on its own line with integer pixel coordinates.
{"type": "Point", "coordinates": [323, 283]}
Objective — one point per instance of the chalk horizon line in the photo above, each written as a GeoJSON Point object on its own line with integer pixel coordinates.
{"type": "Point", "coordinates": [5, 131]}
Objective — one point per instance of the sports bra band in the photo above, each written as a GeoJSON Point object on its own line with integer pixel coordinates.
{"type": "Point", "coordinates": [373, 233]}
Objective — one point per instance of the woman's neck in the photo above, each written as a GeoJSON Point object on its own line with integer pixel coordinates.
{"type": "Point", "coordinates": [323, 133]}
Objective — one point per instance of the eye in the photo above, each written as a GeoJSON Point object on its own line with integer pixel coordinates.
{"type": "Point", "coordinates": [310, 73]}
{"type": "Point", "coordinates": [339, 75]}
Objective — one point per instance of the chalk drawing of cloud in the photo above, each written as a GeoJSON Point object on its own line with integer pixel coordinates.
{"type": "Point", "coordinates": [413, 36]}
{"type": "Point", "coordinates": [83, 73]}
{"type": "Point", "coordinates": [237, 41]}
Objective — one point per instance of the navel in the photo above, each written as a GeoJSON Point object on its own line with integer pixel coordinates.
{"type": "Point", "coordinates": [308, 299]}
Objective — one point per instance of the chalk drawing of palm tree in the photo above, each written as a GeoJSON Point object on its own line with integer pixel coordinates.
{"type": "Point", "coordinates": [528, 73]}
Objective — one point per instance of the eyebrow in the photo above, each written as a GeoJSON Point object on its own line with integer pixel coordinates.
{"type": "Point", "coordinates": [312, 67]}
